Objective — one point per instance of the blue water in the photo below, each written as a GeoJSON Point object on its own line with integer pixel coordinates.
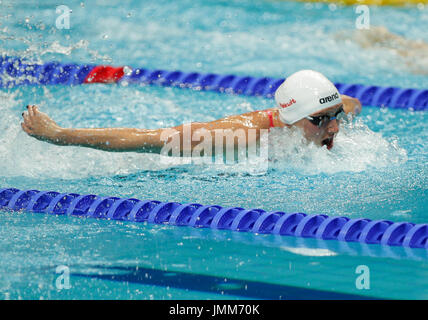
{"type": "Point", "coordinates": [377, 169]}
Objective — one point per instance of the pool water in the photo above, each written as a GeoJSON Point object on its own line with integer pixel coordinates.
{"type": "Point", "coordinates": [377, 169]}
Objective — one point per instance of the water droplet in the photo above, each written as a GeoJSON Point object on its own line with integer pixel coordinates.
{"type": "Point", "coordinates": [127, 70]}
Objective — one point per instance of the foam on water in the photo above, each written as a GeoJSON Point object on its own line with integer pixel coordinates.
{"type": "Point", "coordinates": [356, 149]}
{"type": "Point", "coordinates": [310, 251]}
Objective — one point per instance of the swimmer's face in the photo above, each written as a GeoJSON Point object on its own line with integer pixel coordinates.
{"type": "Point", "coordinates": [325, 133]}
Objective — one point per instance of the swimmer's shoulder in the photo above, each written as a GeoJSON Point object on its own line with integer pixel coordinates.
{"type": "Point", "coordinates": [268, 118]}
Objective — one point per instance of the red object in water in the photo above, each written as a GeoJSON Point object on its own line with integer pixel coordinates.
{"type": "Point", "coordinates": [104, 74]}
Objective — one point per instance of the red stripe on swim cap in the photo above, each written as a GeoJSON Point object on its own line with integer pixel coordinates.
{"type": "Point", "coordinates": [104, 74]}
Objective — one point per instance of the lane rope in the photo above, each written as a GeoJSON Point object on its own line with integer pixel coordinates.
{"type": "Point", "coordinates": [383, 232]}
{"type": "Point", "coordinates": [15, 72]}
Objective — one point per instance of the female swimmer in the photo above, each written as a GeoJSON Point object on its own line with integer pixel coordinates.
{"type": "Point", "coordinates": [305, 100]}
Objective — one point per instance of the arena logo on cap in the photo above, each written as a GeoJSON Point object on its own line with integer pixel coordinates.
{"type": "Point", "coordinates": [289, 103]}
{"type": "Point", "coordinates": [329, 98]}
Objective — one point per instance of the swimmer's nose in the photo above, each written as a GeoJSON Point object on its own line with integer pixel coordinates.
{"type": "Point", "coordinates": [333, 126]}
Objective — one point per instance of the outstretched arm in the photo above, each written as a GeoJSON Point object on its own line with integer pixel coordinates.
{"type": "Point", "coordinates": [40, 126]}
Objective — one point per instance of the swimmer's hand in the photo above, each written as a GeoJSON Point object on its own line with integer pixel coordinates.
{"type": "Point", "coordinates": [351, 105]}
{"type": "Point", "coordinates": [40, 126]}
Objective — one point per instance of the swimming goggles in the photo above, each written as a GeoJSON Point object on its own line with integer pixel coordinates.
{"type": "Point", "coordinates": [320, 120]}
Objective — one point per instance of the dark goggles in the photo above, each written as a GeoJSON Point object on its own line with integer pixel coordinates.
{"type": "Point", "coordinates": [319, 121]}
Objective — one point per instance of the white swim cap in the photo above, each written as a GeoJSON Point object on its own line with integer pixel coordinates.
{"type": "Point", "coordinates": [304, 93]}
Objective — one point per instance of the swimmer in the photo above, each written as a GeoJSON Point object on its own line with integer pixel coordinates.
{"type": "Point", "coordinates": [306, 100]}
{"type": "Point", "coordinates": [414, 53]}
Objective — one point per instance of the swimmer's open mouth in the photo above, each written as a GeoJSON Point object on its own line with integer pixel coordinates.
{"type": "Point", "coordinates": [328, 142]}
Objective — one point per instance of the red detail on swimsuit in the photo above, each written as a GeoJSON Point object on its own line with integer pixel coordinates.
{"type": "Point", "coordinates": [104, 74]}
{"type": "Point", "coordinates": [289, 103]}
{"type": "Point", "coordinates": [269, 113]}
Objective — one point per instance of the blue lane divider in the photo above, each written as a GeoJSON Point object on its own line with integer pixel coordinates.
{"type": "Point", "coordinates": [320, 226]}
{"type": "Point", "coordinates": [14, 72]}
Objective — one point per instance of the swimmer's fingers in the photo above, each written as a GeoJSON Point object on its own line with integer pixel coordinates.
{"type": "Point", "coordinates": [30, 110]}
{"type": "Point", "coordinates": [28, 117]}
{"type": "Point", "coordinates": [27, 120]}
{"type": "Point", "coordinates": [35, 110]}
{"type": "Point", "coordinates": [26, 129]}
{"type": "Point", "coordinates": [26, 125]}
{"type": "Point", "coordinates": [38, 124]}
{"type": "Point", "coordinates": [33, 116]}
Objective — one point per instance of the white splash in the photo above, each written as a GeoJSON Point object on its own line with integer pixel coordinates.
{"type": "Point", "coordinates": [310, 252]}
{"type": "Point", "coordinates": [356, 149]}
